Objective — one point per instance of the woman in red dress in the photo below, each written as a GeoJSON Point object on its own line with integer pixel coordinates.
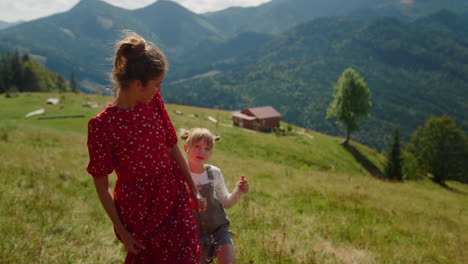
{"type": "Point", "coordinates": [133, 135]}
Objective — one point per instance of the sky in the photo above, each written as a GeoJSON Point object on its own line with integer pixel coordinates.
{"type": "Point", "coordinates": [24, 10]}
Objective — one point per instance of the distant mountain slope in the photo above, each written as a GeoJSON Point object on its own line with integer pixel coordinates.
{"type": "Point", "coordinates": [175, 26]}
{"type": "Point", "coordinates": [413, 71]}
{"type": "Point", "coordinates": [447, 22]}
{"type": "Point", "coordinates": [279, 15]}
{"type": "Point", "coordinates": [410, 9]}
{"type": "Point", "coordinates": [218, 53]}
{"type": "Point", "coordinates": [4, 24]}
{"type": "Point", "coordinates": [81, 39]}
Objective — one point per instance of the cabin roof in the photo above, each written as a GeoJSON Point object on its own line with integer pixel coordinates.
{"type": "Point", "coordinates": [243, 116]}
{"type": "Point", "coordinates": [263, 112]}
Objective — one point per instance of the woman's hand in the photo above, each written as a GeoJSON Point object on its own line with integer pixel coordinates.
{"type": "Point", "coordinates": [131, 244]}
{"type": "Point", "coordinates": [243, 185]}
{"type": "Point", "coordinates": [104, 193]}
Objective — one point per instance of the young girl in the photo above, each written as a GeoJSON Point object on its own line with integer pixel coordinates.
{"type": "Point", "coordinates": [213, 225]}
{"type": "Point", "coordinates": [133, 135]}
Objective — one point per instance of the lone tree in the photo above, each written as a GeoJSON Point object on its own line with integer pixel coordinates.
{"type": "Point", "coordinates": [441, 149]}
{"type": "Point", "coordinates": [352, 101]}
{"type": "Point", "coordinates": [393, 169]}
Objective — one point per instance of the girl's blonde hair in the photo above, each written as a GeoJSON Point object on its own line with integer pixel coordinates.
{"type": "Point", "coordinates": [199, 134]}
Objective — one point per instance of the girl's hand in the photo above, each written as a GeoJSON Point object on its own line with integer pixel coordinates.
{"type": "Point", "coordinates": [243, 185]}
{"type": "Point", "coordinates": [131, 244]}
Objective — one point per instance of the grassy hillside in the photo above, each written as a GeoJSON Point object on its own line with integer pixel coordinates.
{"type": "Point", "coordinates": [310, 202]}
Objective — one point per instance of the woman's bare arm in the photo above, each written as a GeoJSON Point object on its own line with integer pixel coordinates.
{"type": "Point", "coordinates": [104, 193]}
{"type": "Point", "coordinates": [176, 154]}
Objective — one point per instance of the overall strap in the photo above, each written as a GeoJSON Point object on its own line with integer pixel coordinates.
{"type": "Point", "coordinates": [209, 171]}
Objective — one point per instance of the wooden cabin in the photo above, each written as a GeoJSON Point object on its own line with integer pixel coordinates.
{"type": "Point", "coordinates": [264, 118]}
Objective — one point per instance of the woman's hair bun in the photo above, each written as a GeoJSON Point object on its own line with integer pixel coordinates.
{"type": "Point", "coordinates": [136, 59]}
{"type": "Point", "coordinates": [133, 48]}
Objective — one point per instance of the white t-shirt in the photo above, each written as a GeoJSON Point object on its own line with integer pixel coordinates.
{"type": "Point", "coordinates": [220, 191]}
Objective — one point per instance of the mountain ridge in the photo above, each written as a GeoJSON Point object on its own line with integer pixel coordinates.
{"type": "Point", "coordinates": [75, 39]}
{"type": "Point", "coordinates": [81, 41]}
{"type": "Point", "coordinates": [406, 67]}
{"type": "Point", "coordinates": [182, 27]}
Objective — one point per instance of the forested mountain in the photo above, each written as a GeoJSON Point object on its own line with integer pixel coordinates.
{"type": "Point", "coordinates": [4, 24]}
{"type": "Point", "coordinates": [447, 22]}
{"type": "Point", "coordinates": [279, 15]}
{"type": "Point", "coordinates": [175, 26]}
{"type": "Point", "coordinates": [409, 9]}
{"type": "Point", "coordinates": [81, 39]}
{"type": "Point", "coordinates": [415, 65]}
{"type": "Point", "coordinates": [218, 54]}
{"type": "Point", "coordinates": [412, 69]}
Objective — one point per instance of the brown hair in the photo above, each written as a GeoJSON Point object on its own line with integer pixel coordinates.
{"type": "Point", "coordinates": [199, 134]}
{"type": "Point", "coordinates": [136, 59]}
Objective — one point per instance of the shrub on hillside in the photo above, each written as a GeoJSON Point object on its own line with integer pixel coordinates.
{"type": "Point", "coordinates": [441, 150]}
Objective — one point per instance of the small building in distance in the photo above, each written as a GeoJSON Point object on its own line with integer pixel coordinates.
{"type": "Point", "coordinates": [264, 118]}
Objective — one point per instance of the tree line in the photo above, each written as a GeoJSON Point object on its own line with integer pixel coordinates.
{"type": "Point", "coordinates": [20, 73]}
{"type": "Point", "coordinates": [437, 150]}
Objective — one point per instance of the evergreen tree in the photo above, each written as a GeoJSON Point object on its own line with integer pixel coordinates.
{"type": "Point", "coordinates": [21, 73]}
{"type": "Point", "coordinates": [2, 83]}
{"type": "Point", "coordinates": [441, 149]}
{"type": "Point", "coordinates": [393, 169]}
{"type": "Point", "coordinates": [17, 71]}
{"type": "Point", "coordinates": [61, 83]}
{"type": "Point", "coordinates": [73, 83]}
{"type": "Point", "coordinates": [6, 72]}
{"type": "Point", "coordinates": [3, 86]}
{"type": "Point", "coordinates": [25, 57]}
{"type": "Point", "coordinates": [30, 81]}
{"type": "Point", "coordinates": [352, 101]}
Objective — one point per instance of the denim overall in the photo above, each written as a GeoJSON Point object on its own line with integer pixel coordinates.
{"type": "Point", "coordinates": [213, 224]}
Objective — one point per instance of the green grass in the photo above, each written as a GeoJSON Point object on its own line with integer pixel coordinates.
{"type": "Point", "coordinates": [310, 202]}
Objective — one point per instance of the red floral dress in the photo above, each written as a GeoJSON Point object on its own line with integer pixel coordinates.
{"type": "Point", "coordinates": [150, 192]}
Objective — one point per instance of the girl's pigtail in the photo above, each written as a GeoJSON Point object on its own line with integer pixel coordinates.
{"type": "Point", "coordinates": [185, 135]}
{"type": "Point", "coordinates": [216, 138]}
